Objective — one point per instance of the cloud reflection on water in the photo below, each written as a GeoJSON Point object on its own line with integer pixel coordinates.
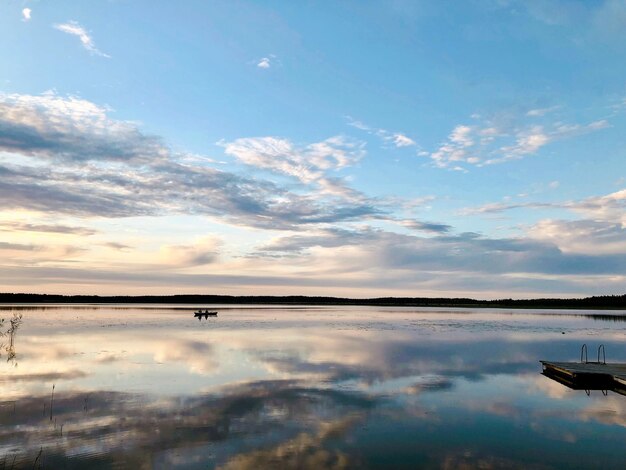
{"type": "Point", "coordinates": [107, 426]}
{"type": "Point", "coordinates": [297, 389]}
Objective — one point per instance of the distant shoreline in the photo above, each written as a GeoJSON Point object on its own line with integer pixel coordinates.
{"type": "Point", "coordinates": [609, 302]}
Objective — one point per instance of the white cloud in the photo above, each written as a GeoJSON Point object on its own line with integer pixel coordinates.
{"type": "Point", "coordinates": [70, 128]}
{"type": "Point", "coordinates": [398, 139]}
{"type": "Point", "coordinates": [527, 142]}
{"type": "Point", "coordinates": [582, 236]}
{"type": "Point", "coordinates": [461, 135]}
{"type": "Point", "coordinates": [264, 63]}
{"type": "Point", "coordinates": [26, 14]}
{"type": "Point", "coordinates": [75, 29]}
{"type": "Point", "coordinates": [269, 61]}
{"type": "Point", "coordinates": [401, 140]}
{"type": "Point", "coordinates": [609, 208]}
{"type": "Point", "coordinates": [488, 143]}
{"type": "Point", "coordinates": [309, 164]}
{"type": "Point", "coordinates": [67, 156]}
{"type": "Point", "coordinates": [456, 149]}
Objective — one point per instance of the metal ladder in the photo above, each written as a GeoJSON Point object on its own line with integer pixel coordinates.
{"type": "Point", "coordinates": [583, 353]}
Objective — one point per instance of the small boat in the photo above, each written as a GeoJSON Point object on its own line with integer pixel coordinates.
{"type": "Point", "coordinates": [206, 314]}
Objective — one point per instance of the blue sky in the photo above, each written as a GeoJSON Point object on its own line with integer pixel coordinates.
{"type": "Point", "coordinates": [334, 148]}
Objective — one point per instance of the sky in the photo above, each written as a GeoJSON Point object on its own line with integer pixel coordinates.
{"type": "Point", "coordinates": [348, 148]}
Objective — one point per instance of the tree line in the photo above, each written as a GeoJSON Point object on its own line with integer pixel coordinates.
{"type": "Point", "coordinates": [601, 302]}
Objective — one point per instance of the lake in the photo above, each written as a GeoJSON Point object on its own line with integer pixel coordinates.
{"type": "Point", "coordinates": [305, 387]}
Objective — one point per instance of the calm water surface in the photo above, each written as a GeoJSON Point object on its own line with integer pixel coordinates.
{"type": "Point", "coordinates": [304, 387]}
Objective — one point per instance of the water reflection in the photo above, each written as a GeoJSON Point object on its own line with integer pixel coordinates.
{"type": "Point", "coordinates": [296, 388]}
{"type": "Point", "coordinates": [111, 428]}
{"type": "Point", "coordinates": [602, 383]}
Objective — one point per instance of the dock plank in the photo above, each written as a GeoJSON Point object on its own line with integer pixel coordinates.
{"type": "Point", "coordinates": [616, 370]}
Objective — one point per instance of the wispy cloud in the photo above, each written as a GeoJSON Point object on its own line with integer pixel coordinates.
{"type": "Point", "coordinates": [204, 252]}
{"type": "Point", "coordinates": [75, 29]}
{"type": "Point", "coordinates": [372, 261]}
{"type": "Point", "coordinates": [538, 112]}
{"type": "Point", "coordinates": [421, 226]}
{"type": "Point", "coordinates": [26, 14]}
{"type": "Point", "coordinates": [461, 253]}
{"type": "Point", "coordinates": [81, 162]}
{"type": "Point", "coordinates": [117, 246]}
{"type": "Point", "coordinates": [610, 207]}
{"type": "Point", "coordinates": [397, 139]}
{"type": "Point", "coordinates": [488, 143]}
{"type": "Point", "coordinates": [45, 228]}
{"type": "Point", "coordinates": [17, 247]}
{"type": "Point", "coordinates": [33, 254]}
{"type": "Point", "coordinates": [600, 231]}
{"type": "Point", "coordinates": [499, 207]}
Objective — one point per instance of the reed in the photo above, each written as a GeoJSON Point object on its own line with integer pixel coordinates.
{"type": "Point", "coordinates": [51, 401]}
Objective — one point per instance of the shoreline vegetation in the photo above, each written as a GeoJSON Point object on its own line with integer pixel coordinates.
{"type": "Point", "coordinates": [611, 302]}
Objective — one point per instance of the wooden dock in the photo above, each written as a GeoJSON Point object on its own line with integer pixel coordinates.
{"type": "Point", "coordinates": [588, 375]}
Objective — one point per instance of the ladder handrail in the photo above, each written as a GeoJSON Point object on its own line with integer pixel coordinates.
{"type": "Point", "coordinates": [584, 349]}
{"type": "Point", "coordinates": [601, 347]}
